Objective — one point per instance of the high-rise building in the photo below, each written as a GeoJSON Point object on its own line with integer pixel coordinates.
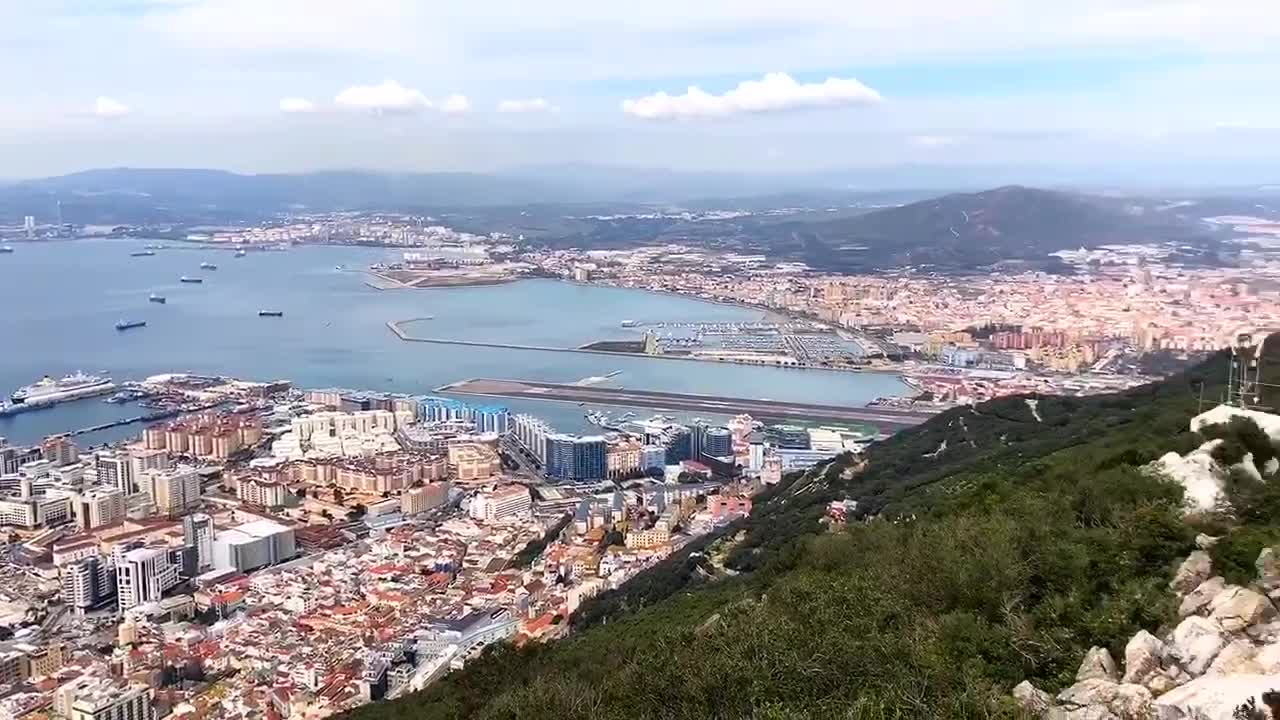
{"type": "Point", "coordinates": [107, 701]}
{"type": "Point", "coordinates": [486, 418]}
{"type": "Point", "coordinates": [143, 459]}
{"type": "Point", "coordinates": [717, 442]}
{"type": "Point", "coordinates": [13, 457]}
{"type": "Point", "coordinates": [198, 532]}
{"type": "Point", "coordinates": [173, 491]}
{"type": "Point", "coordinates": [424, 498]}
{"type": "Point", "coordinates": [88, 583]}
{"type": "Point", "coordinates": [532, 434]}
{"type": "Point", "coordinates": [677, 441]}
{"type": "Point", "coordinates": [59, 450]}
{"type": "Point", "coordinates": [99, 507]}
{"type": "Point", "coordinates": [143, 575]}
{"type": "Point", "coordinates": [116, 470]}
{"type": "Point", "coordinates": [574, 458]}
{"type": "Point", "coordinates": [501, 504]}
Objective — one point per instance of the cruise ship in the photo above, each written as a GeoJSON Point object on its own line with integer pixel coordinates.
{"type": "Point", "coordinates": [49, 391]}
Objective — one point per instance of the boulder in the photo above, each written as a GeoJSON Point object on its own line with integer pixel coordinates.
{"type": "Point", "coordinates": [1212, 697]}
{"type": "Point", "coordinates": [1236, 657]}
{"type": "Point", "coordinates": [1195, 643]}
{"type": "Point", "coordinates": [1031, 698]}
{"type": "Point", "coordinates": [1197, 601]}
{"type": "Point", "coordinates": [1204, 542]}
{"type": "Point", "coordinates": [1264, 633]}
{"type": "Point", "coordinates": [1193, 571]}
{"type": "Point", "coordinates": [1094, 691]}
{"type": "Point", "coordinates": [1268, 565]}
{"type": "Point", "coordinates": [1131, 701]}
{"type": "Point", "coordinates": [1160, 684]}
{"type": "Point", "coordinates": [1236, 608]}
{"type": "Point", "coordinates": [1267, 658]}
{"type": "Point", "coordinates": [1142, 657]}
{"type": "Point", "coordinates": [1097, 663]}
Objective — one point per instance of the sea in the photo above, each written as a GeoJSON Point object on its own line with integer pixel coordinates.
{"type": "Point", "coordinates": [60, 301]}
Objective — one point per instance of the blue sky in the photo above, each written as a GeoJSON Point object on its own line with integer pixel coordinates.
{"type": "Point", "coordinates": [489, 84]}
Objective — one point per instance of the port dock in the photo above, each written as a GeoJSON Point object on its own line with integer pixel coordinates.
{"type": "Point", "coordinates": [885, 418]}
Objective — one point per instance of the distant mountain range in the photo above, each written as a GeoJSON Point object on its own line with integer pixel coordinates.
{"type": "Point", "coordinates": [813, 219]}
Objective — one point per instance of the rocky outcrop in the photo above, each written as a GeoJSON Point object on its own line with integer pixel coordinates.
{"type": "Point", "coordinates": [1224, 652]}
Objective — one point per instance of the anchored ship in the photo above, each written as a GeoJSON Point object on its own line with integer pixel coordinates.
{"type": "Point", "coordinates": [130, 324]}
{"type": "Point", "coordinates": [270, 313]}
{"type": "Point", "coordinates": [142, 253]}
{"type": "Point", "coordinates": [188, 279]}
{"type": "Point", "coordinates": [208, 266]}
{"type": "Point", "coordinates": [157, 298]}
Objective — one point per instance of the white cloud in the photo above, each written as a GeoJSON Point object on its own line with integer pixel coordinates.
{"type": "Point", "coordinates": [297, 105]}
{"type": "Point", "coordinates": [455, 104]}
{"type": "Point", "coordinates": [388, 97]}
{"type": "Point", "coordinates": [528, 105]}
{"type": "Point", "coordinates": [772, 93]}
{"type": "Point", "coordinates": [933, 141]}
{"type": "Point", "coordinates": [106, 107]}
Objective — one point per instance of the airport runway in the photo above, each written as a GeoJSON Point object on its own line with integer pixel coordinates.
{"type": "Point", "coordinates": [770, 410]}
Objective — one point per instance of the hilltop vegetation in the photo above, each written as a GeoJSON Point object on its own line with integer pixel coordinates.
{"type": "Point", "coordinates": [1003, 547]}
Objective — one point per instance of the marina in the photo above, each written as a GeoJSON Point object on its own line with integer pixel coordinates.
{"type": "Point", "coordinates": [763, 409]}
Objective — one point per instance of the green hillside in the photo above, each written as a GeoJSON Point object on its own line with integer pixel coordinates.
{"type": "Point", "coordinates": [1008, 539]}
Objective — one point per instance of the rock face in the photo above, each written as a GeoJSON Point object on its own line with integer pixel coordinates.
{"type": "Point", "coordinates": [1097, 664]}
{"type": "Point", "coordinates": [1198, 600]}
{"type": "Point", "coordinates": [1094, 691]}
{"type": "Point", "coordinates": [1194, 570]}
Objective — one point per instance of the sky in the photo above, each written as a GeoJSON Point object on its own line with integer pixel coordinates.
{"type": "Point", "coordinates": [728, 85]}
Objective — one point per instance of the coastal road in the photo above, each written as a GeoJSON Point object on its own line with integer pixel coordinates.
{"type": "Point", "coordinates": [773, 410]}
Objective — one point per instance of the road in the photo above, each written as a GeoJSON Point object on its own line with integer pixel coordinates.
{"type": "Point", "coordinates": [770, 410]}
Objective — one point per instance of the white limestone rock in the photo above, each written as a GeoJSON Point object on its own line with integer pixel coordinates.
{"type": "Point", "coordinates": [1031, 698]}
{"type": "Point", "coordinates": [1237, 657]}
{"type": "Point", "coordinates": [1097, 663]}
{"type": "Point", "coordinates": [1142, 658]}
{"type": "Point", "coordinates": [1194, 570]}
{"type": "Point", "coordinates": [1093, 712]}
{"type": "Point", "coordinates": [1195, 643]}
{"type": "Point", "coordinates": [1200, 476]}
{"type": "Point", "coordinates": [1236, 608]}
{"type": "Point", "coordinates": [1204, 542]}
{"type": "Point", "coordinates": [1131, 701]}
{"type": "Point", "coordinates": [1197, 601]}
{"type": "Point", "coordinates": [1094, 691]}
{"type": "Point", "coordinates": [1212, 697]}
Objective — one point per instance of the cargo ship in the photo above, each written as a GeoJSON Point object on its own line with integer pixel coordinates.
{"type": "Point", "coordinates": [157, 298]}
{"type": "Point", "coordinates": [142, 253]}
{"type": "Point", "coordinates": [6, 249]}
{"type": "Point", "coordinates": [208, 266]}
{"type": "Point", "coordinates": [270, 313]}
{"type": "Point", "coordinates": [130, 324]}
{"type": "Point", "coordinates": [49, 391]}
{"type": "Point", "coordinates": [188, 279]}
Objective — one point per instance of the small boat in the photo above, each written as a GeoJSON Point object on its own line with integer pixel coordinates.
{"type": "Point", "coordinates": [208, 266]}
{"type": "Point", "coordinates": [142, 253]}
{"type": "Point", "coordinates": [6, 249]}
{"type": "Point", "coordinates": [157, 298]}
{"type": "Point", "coordinates": [270, 313]}
{"type": "Point", "coordinates": [130, 324]}
{"type": "Point", "coordinates": [339, 268]}
{"type": "Point", "coordinates": [240, 253]}
{"type": "Point", "coordinates": [188, 279]}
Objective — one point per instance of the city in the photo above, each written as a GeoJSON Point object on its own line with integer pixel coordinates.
{"type": "Point", "coordinates": [361, 544]}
